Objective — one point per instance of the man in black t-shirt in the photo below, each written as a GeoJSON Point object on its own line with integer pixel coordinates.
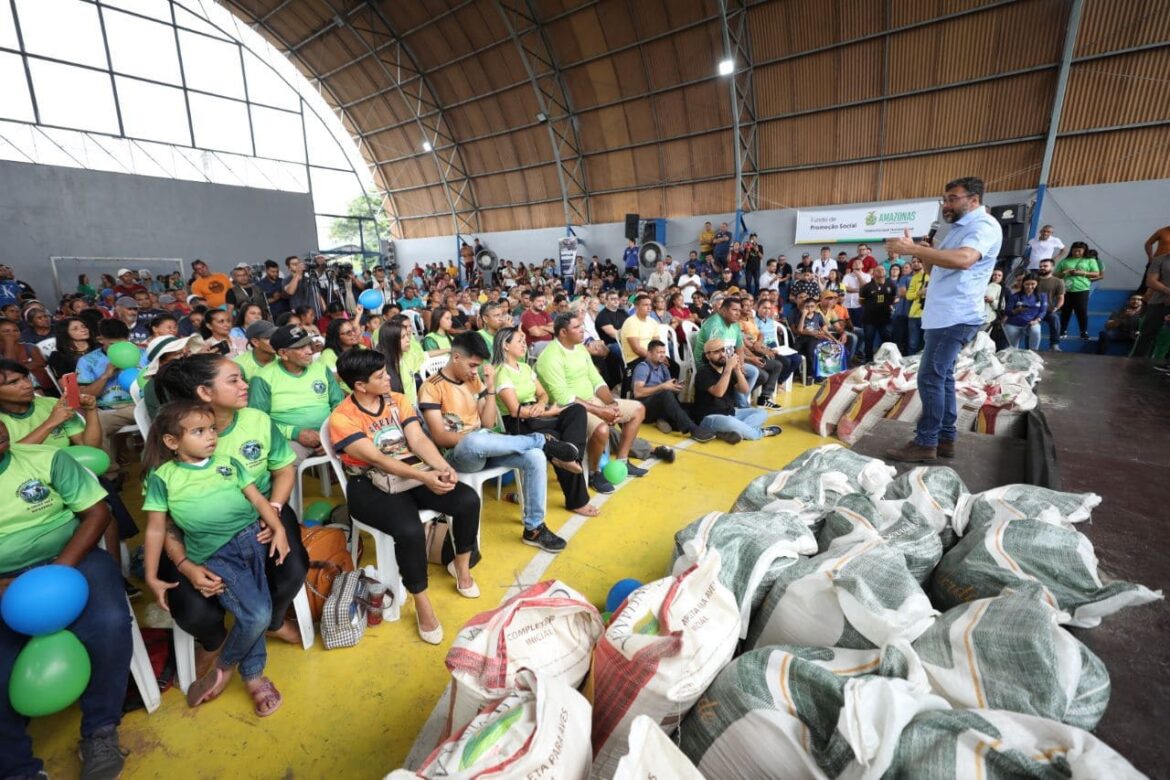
{"type": "Point", "coordinates": [877, 301]}
{"type": "Point", "coordinates": [609, 320]}
{"type": "Point", "coordinates": [718, 380]}
{"type": "Point", "coordinates": [699, 306]}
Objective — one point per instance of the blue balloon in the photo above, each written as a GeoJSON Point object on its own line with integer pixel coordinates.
{"type": "Point", "coordinates": [372, 300]}
{"type": "Point", "coordinates": [619, 592]}
{"type": "Point", "coordinates": [127, 377]}
{"type": "Point", "coordinates": [44, 600]}
{"type": "Point", "coordinates": [603, 460]}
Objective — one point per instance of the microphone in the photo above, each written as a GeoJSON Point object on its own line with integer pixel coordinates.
{"type": "Point", "coordinates": [933, 230]}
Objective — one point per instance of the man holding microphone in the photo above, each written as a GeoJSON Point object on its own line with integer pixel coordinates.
{"type": "Point", "coordinates": [959, 270]}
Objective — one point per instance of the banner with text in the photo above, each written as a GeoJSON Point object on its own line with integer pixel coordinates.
{"type": "Point", "coordinates": [567, 253]}
{"type": "Point", "coordinates": [858, 224]}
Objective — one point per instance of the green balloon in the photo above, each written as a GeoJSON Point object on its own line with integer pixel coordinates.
{"type": "Point", "coordinates": [605, 617]}
{"type": "Point", "coordinates": [124, 354]}
{"type": "Point", "coordinates": [50, 673]}
{"type": "Point", "coordinates": [319, 511]}
{"type": "Point", "coordinates": [93, 458]}
{"type": "Point", "coordinates": [615, 471]}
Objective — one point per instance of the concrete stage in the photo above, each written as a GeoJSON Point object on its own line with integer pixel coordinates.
{"type": "Point", "coordinates": [1109, 419]}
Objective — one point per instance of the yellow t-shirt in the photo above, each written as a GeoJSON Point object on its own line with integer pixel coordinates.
{"type": "Point", "coordinates": [706, 241]}
{"type": "Point", "coordinates": [636, 328]}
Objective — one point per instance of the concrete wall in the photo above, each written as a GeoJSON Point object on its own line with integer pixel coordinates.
{"type": "Point", "coordinates": [51, 211]}
{"type": "Point", "coordinates": [1114, 218]}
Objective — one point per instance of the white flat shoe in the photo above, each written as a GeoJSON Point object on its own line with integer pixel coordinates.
{"type": "Point", "coordinates": [467, 593]}
{"type": "Point", "coordinates": [432, 637]}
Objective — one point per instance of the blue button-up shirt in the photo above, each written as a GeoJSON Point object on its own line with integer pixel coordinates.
{"type": "Point", "coordinates": [955, 297]}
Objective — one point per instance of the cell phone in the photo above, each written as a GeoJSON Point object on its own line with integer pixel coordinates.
{"type": "Point", "coordinates": [71, 390]}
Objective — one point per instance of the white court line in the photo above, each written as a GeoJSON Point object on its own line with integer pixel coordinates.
{"type": "Point", "coordinates": [428, 736]}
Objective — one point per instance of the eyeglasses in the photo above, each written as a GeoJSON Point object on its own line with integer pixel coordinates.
{"type": "Point", "coordinates": [954, 198]}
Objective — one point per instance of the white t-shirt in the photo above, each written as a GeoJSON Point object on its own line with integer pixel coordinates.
{"type": "Point", "coordinates": [857, 279]}
{"type": "Point", "coordinates": [821, 268]}
{"type": "Point", "coordinates": [687, 284]}
{"type": "Point", "coordinates": [769, 281]}
{"type": "Point", "coordinates": [1043, 250]}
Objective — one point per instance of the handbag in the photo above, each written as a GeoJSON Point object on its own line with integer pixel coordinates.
{"type": "Point", "coordinates": [392, 483]}
{"type": "Point", "coordinates": [343, 620]}
{"type": "Point", "coordinates": [329, 557]}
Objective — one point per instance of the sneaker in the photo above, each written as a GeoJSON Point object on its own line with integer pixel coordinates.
{"type": "Point", "coordinates": [772, 430]}
{"type": "Point", "coordinates": [132, 590]}
{"type": "Point", "coordinates": [770, 404]}
{"type": "Point", "coordinates": [702, 435]}
{"type": "Point", "coordinates": [635, 471]}
{"type": "Point", "coordinates": [665, 454]}
{"type": "Point", "coordinates": [1084, 337]}
{"type": "Point", "coordinates": [731, 437]}
{"type": "Point", "coordinates": [543, 538]}
{"type": "Point", "coordinates": [599, 483]}
{"type": "Point", "coordinates": [1164, 368]}
{"type": "Point", "coordinates": [555, 449]}
{"type": "Point", "coordinates": [663, 426]}
{"type": "Point", "coordinates": [102, 758]}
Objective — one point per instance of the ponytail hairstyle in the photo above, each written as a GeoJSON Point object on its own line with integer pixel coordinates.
{"type": "Point", "coordinates": [180, 380]}
{"type": "Point", "coordinates": [503, 336]}
{"type": "Point", "coordinates": [169, 421]}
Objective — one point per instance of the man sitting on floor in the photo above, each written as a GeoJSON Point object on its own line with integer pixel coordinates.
{"type": "Point", "coordinates": [724, 325]}
{"type": "Point", "coordinates": [658, 391]}
{"type": "Point", "coordinates": [296, 392]}
{"type": "Point", "coordinates": [1122, 326]}
{"type": "Point", "coordinates": [460, 412]}
{"type": "Point", "coordinates": [567, 372]}
{"type": "Point", "coordinates": [718, 382]}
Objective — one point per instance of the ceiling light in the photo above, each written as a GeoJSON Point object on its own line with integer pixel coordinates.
{"type": "Point", "coordinates": [541, 117]}
{"type": "Point", "coordinates": [427, 146]}
{"type": "Point", "coordinates": [726, 67]}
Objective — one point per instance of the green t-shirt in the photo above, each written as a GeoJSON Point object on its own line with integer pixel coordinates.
{"type": "Point", "coordinates": [206, 501]}
{"type": "Point", "coordinates": [21, 425]}
{"type": "Point", "coordinates": [567, 373]}
{"type": "Point", "coordinates": [522, 379]}
{"type": "Point", "coordinates": [297, 402]}
{"type": "Point", "coordinates": [1077, 283]}
{"type": "Point", "coordinates": [248, 365]}
{"type": "Point", "coordinates": [488, 338]}
{"type": "Point", "coordinates": [253, 439]}
{"type": "Point", "coordinates": [715, 328]}
{"type": "Point", "coordinates": [436, 340]}
{"type": "Point", "coordinates": [45, 489]}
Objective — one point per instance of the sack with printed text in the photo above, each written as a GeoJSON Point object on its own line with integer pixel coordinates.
{"type": "Point", "coordinates": [662, 648]}
{"type": "Point", "coordinates": [858, 519]}
{"type": "Point", "coordinates": [816, 479]}
{"type": "Point", "coordinates": [653, 755]}
{"type": "Point", "coordinates": [548, 628]}
{"type": "Point", "coordinates": [1010, 553]}
{"type": "Point", "coordinates": [540, 729]}
{"type": "Point", "coordinates": [1010, 653]}
{"type": "Point", "coordinates": [935, 492]}
{"type": "Point", "coordinates": [753, 547]}
{"type": "Point", "coordinates": [833, 397]}
{"type": "Point", "coordinates": [857, 597]}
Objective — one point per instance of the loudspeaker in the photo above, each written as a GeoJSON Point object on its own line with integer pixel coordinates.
{"type": "Point", "coordinates": [632, 226]}
{"type": "Point", "coordinates": [1014, 213]}
{"type": "Point", "coordinates": [1014, 220]}
{"type": "Point", "coordinates": [649, 232]}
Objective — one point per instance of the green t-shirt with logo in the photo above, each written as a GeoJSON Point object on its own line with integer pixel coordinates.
{"type": "Point", "coordinates": [248, 365]}
{"type": "Point", "coordinates": [44, 488]}
{"type": "Point", "coordinates": [1075, 284]}
{"type": "Point", "coordinates": [715, 328]}
{"type": "Point", "coordinates": [205, 500]}
{"type": "Point", "coordinates": [253, 439]}
{"type": "Point", "coordinates": [296, 402]}
{"type": "Point", "coordinates": [21, 425]}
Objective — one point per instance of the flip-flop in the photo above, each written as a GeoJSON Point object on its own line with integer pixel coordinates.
{"type": "Point", "coordinates": [207, 687]}
{"type": "Point", "coordinates": [571, 466]}
{"type": "Point", "coordinates": [265, 695]}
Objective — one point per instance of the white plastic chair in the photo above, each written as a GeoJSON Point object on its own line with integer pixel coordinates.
{"type": "Point", "coordinates": [185, 643]}
{"type": "Point", "coordinates": [431, 366]}
{"type": "Point", "coordinates": [385, 561]}
{"type": "Point", "coordinates": [787, 351]}
{"type": "Point", "coordinates": [53, 377]}
{"type": "Point", "coordinates": [47, 346]}
{"type": "Point", "coordinates": [416, 322]}
{"type": "Point", "coordinates": [476, 479]}
{"type": "Point", "coordinates": [319, 462]}
{"type": "Point", "coordinates": [141, 668]}
{"type": "Point", "coordinates": [142, 419]}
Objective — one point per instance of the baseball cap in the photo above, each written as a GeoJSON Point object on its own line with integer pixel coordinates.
{"type": "Point", "coordinates": [144, 272]}
{"type": "Point", "coordinates": [166, 298]}
{"type": "Point", "coordinates": [260, 329]}
{"type": "Point", "coordinates": [289, 337]}
{"type": "Point", "coordinates": [123, 272]}
{"type": "Point", "coordinates": [193, 298]}
{"type": "Point", "coordinates": [804, 254]}
{"type": "Point", "coordinates": [828, 295]}
{"type": "Point", "coordinates": [127, 302]}
{"type": "Point", "coordinates": [242, 265]}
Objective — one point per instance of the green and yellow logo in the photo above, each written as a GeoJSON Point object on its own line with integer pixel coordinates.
{"type": "Point", "coordinates": [871, 218]}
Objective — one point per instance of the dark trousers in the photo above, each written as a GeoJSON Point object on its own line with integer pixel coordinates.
{"type": "Point", "coordinates": [396, 514]}
{"type": "Point", "coordinates": [126, 526]}
{"type": "Point", "coordinates": [1152, 322]}
{"type": "Point", "coordinates": [807, 346]}
{"type": "Point", "coordinates": [1112, 336]}
{"type": "Point", "coordinates": [664, 405]}
{"type": "Point", "coordinates": [775, 370]}
{"type": "Point", "coordinates": [1075, 302]}
{"type": "Point", "coordinates": [611, 367]}
{"type": "Point", "coordinates": [874, 336]}
{"type": "Point", "coordinates": [900, 333]}
{"type": "Point", "coordinates": [202, 617]}
{"type": "Point", "coordinates": [104, 630]}
{"type": "Point", "coordinates": [1052, 320]}
{"type": "Point", "coordinates": [568, 426]}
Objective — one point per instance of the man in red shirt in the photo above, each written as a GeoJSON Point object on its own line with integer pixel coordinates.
{"type": "Point", "coordinates": [868, 261]}
{"type": "Point", "coordinates": [537, 325]}
{"type": "Point", "coordinates": [127, 285]}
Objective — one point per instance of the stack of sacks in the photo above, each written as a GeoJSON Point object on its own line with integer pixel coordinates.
{"type": "Point", "coordinates": [662, 648]}
{"type": "Point", "coordinates": [858, 519]}
{"type": "Point", "coordinates": [653, 756]}
{"type": "Point", "coordinates": [548, 628]}
{"type": "Point", "coordinates": [1009, 399]}
{"type": "Point", "coordinates": [814, 482]}
{"type": "Point", "coordinates": [753, 548]}
{"type": "Point", "coordinates": [539, 729]}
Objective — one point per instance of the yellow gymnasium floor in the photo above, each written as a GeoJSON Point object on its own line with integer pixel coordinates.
{"type": "Point", "coordinates": [356, 712]}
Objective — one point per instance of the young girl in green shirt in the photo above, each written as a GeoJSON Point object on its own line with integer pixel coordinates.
{"type": "Point", "coordinates": [185, 479]}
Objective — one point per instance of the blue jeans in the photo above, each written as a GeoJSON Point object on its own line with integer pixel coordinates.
{"type": "Point", "coordinates": [914, 335]}
{"type": "Point", "coordinates": [748, 423]}
{"type": "Point", "coordinates": [484, 449]}
{"type": "Point", "coordinates": [751, 374]}
{"type": "Point", "coordinates": [1052, 320]}
{"type": "Point", "coordinates": [104, 630]}
{"type": "Point", "coordinates": [240, 563]}
{"type": "Point", "coordinates": [1015, 332]}
{"type": "Point", "coordinates": [936, 383]}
